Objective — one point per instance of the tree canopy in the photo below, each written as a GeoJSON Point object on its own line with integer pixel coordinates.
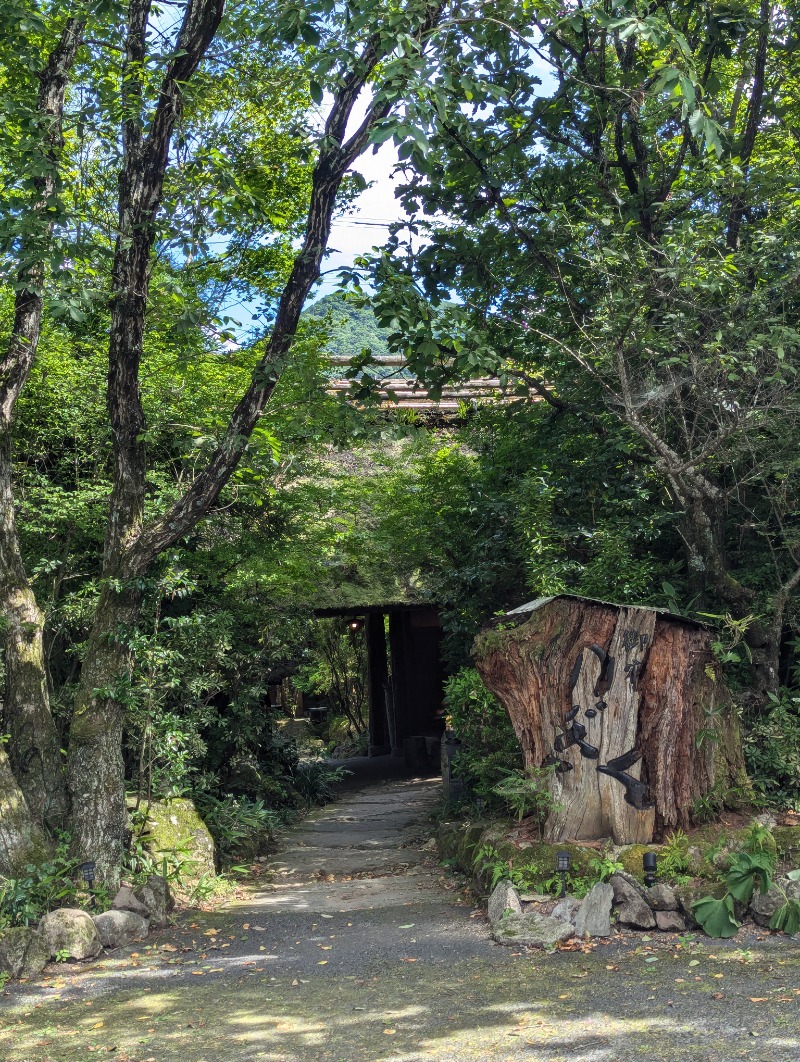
{"type": "Point", "coordinates": [602, 213]}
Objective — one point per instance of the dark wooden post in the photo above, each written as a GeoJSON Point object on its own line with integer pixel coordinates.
{"type": "Point", "coordinates": [377, 684]}
{"type": "Point", "coordinates": [626, 705]}
{"type": "Point", "coordinates": [398, 701]}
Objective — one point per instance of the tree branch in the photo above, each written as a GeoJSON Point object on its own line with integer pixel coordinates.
{"type": "Point", "coordinates": [335, 157]}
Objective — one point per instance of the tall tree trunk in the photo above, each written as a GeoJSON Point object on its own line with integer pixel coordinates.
{"type": "Point", "coordinates": [96, 770]}
{"type": "Point", "coordinates": [22, 841]}
{"type": "Point", "coordinates": [34, 749]}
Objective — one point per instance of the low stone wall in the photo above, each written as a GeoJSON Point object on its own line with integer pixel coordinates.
{"type": "Point", "coordinates": [524, 916]}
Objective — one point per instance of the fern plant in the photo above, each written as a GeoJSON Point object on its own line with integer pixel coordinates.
{"type": "Point", "coordinates": [527, 793]}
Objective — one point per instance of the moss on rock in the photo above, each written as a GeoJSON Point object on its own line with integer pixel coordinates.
{"type": "Point", "coordinates": [448, 838]}
{"type": "Point", "coordinates": [631, 856]}
{"type": "Point", "coordinates": [787, 842]}
{"type": "Point", "coordinates": [175, 826]}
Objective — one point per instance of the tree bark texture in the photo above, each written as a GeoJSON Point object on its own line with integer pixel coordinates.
{"type": "Point", "coordinates": [625, 704]}
{"type": "Point", "coordinates": [95, 767]}
{"type": "Point", "coordinates": [21, 839]}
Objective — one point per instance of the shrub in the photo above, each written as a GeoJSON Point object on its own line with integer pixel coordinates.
{"type": "Point", "coordinates": [527, 793]}
{"type": "Point", "coordinates": [239, 826]}
{"type": "Point", "coordinates": [489, 751]}
{"type": "Point", "coordinates": [314, 781]}
{"type": "Point", "coordinates": [43, 888]}
{"type": "Point", "coordinates": [772, 750]}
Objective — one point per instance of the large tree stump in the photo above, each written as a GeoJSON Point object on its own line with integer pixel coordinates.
{"type": "Point", "coordinates": [628, 706]}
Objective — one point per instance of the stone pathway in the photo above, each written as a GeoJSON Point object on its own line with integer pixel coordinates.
{"type": "Point", "coordinates": [362, 950]}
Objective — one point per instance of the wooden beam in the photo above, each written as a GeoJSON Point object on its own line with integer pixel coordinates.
{"type": "Point", "coordinates": [377, 685]}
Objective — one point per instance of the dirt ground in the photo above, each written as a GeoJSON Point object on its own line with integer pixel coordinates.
{"type": "Point", "coordinates": [362, 949]}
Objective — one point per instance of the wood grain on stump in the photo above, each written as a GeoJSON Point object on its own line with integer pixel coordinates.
{"type": "Point", "coordinates": [625, 703]}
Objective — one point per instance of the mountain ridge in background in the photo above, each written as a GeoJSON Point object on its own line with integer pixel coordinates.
{"type": "Point", "coordinates": [351, 327]}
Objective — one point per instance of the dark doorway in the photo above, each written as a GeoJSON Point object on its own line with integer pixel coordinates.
{"type": "Point", "coordinates": [405, 680]}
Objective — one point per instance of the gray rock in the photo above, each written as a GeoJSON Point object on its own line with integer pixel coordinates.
{"type": "Point", "coordinates": [632, 908]}
{"type": "Point", "coordinates": [566, 910]}
{"type": "Point", "coordinates": [625, 887]}
{"type": "Point", "coordinates": [661, 897]}
{"type": "Point", "coordinates": [118, 928]}
{"type": "Point", "coordinates": [594, 916]}
{"type": "Point", "coordinates": [71, 934]}
{"type": "Point", "coordinates": [535, 930]}
{"type": "Point", "coordinates": [23, 952]}
{"type": "Point", "coordinates": [670, 922]}
{"type": "Point", "coordinates": [764, 904]}
{"type": "Point", "coordinates": [504, 898]}
{"type": "Point", "coordinates": [126, 901]}
{"type": "Point", "coordinates": [156, 898]}
{"type": "Point", "coordinates": [766, 819]}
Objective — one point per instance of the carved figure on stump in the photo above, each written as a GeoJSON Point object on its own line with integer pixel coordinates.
{"type": "Point", "coordinates": [628, 705]}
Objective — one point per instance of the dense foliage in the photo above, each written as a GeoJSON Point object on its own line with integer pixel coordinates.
{"type": "Point", "coordinates": [489, 750]}
{"type": "Point", "coordinates": [610, 189]}
{"type": "Point", "coordinates": [603, 215]}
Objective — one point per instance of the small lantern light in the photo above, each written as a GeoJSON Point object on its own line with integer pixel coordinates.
{"type": "Point", "coordinates": [87, 873]}
{"type": "Point", "coordinates": [356, 625]}
{"type": "Point", "coordinates": [649, 864]}
{"type": "Point", "coordinates": [562, 866]}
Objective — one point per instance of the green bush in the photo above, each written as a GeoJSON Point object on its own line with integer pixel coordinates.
{"type": "Point", "coordinates": [43, 888]}
{"type": "Point", "coordinates": [489, 751]}
{"type": "Point", "coordinates": [772, 750]}
{"type": "Point", "coordinates": [315, 781]}
{"type": "Point", "coordinates": [239, 826]}
{"type": "Point", "coordinates": [527, 793]}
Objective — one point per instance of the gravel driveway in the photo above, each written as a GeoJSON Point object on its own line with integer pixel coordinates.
{"type": "Point", "coordinates": [363, 950]}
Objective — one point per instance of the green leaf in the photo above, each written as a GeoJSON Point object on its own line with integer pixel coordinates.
{"type": "Point", "coordinates": [787, 917]}
{"type": "Point", "coordinates": [716, 916]}
{"type": "Point", "coordinates": [745, 870]}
